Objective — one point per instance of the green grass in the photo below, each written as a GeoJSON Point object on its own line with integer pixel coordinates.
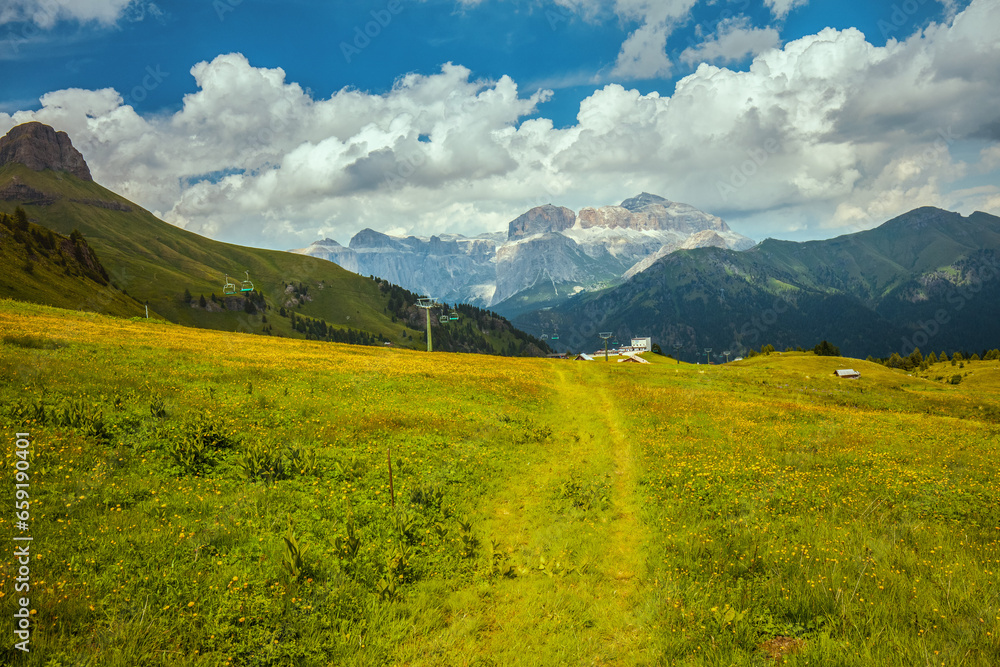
{"type": "Point", "coordinates": [53, 276]}
{"type": "Point", "coordinates": [201, 498]}
{"type": "Point", "coordinates": [155, 262]}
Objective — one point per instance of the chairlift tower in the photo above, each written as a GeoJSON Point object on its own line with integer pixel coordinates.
{"type": "Point", "coordinates": [727, 353]}
{"type": "Point", "coordinates": [677, 352]}
{"type": "Point", "coordinates": [427, 303]}
{"type": "Point", "coordinates": [708, 358]}
{"type": "Point", "coordinates": [605, 335]}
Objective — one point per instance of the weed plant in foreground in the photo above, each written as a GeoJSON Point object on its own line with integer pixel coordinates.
{"type": "Point", "coordinates": [207, 498]}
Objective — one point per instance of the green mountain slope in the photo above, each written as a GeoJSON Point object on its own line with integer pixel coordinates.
{"type": "Point", "coordinates": [44, 267]}
{"type": "Point", "coordinates": [929, 278]}
{"type": "Point", "coordinates": [160, 264]}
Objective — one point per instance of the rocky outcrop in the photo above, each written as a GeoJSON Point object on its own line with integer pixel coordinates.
{"type": "Point", "coordinates": [38, 147]}
{"type": "Point", "coordinates": [101, 203]}
{"type": "Point", "coordinates": [15, 190]}
{"type": "Point", "coordinates": [706, 238]}
{"type": "Point", "coordinates": [651, 213]}
{"type": "Point", "coordinates": [541, 220]}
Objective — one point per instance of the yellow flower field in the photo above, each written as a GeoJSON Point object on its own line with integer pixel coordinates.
{"type": "Point", "coordinates": [211, 498]}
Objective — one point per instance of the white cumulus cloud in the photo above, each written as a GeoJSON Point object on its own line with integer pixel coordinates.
{"type": "Point", "coordinates": [643, 55]}
{"type": "Point", "coordinates": [781, 8]}
{"type": "Point", "coordinates": [826, 132]}
{"type": "Point", "coordinates": [734, 40]}
{"type": "Point", "coordinates": [46, 13]}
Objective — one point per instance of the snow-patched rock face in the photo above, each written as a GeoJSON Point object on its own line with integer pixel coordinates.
{"type": "Point", "coordinates": [540, 220]}
{"type": "Point", "coordinates": [548, 250]}
{"type": "Point", "coordinates": [651, 213]}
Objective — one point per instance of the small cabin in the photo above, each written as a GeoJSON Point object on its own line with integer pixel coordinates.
{"type": "Point", "coordinates": [847, 373]}
{"type": "Point", "coordinates": [631, 358]}
{"type": "Point", "coordinates": [584, 357]}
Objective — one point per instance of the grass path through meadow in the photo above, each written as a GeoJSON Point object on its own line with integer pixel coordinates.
{"type": "Point", "coordinates": [569, 523]}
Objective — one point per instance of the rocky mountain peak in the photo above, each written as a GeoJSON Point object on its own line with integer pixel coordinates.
{"type": "Point", "coordinates": [327, 242]}
{"type": "Point", "coordinates": [369, 238]}
{"type": "Point", "coordinates": [648, 212]}
{"type": "Point", "coordinates": [644, 200]}
{"type": "Point", "coordinates": [540, 220]}
{"type": "Point", "coordinates": [38, 146]}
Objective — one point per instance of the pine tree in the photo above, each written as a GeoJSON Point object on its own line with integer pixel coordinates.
{"type": "Point", "coordinates": [826, 349]}
{"type": "Point", "coordinates": [21, 219]}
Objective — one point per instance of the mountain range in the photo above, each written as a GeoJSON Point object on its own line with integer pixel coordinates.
{"type": "Point", "coordinates": [928, 279]}
{"type": "Point", "coordinates": [67, 241]}
{"type": "Point", "coordinates": [546, 255]}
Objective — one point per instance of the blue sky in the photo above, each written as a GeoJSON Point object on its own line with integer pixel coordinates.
{"type": "Point", "coordinates": [276, 123]}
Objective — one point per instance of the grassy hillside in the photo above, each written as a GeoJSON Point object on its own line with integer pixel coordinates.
{"type": "Point", "coordinates": [43, 267]}
{"type": "Point", "coordinates": [206, 498]}
{"type": "Point", "coordinates": [159, 264]}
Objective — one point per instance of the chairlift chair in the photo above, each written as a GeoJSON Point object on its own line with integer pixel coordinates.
{"type": "Point", "coordinates": [443, 319]}
{"type": "Point", "coordinates": [247, 285]}
{"type": "Point", "coordinates": [229, 289]}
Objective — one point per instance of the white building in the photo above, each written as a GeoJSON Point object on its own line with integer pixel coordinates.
{"type": "Point", "coordinates": [638, 346]}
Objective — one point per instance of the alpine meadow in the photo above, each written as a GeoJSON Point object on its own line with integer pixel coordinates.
{"type": "Point", "coordinates": [211, 498]}
{"type": "Point", "coordinates": [500, 333]}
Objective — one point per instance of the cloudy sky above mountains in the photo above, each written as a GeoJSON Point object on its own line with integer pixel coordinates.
{"type": "Point", "coordinates": [275, 123]}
